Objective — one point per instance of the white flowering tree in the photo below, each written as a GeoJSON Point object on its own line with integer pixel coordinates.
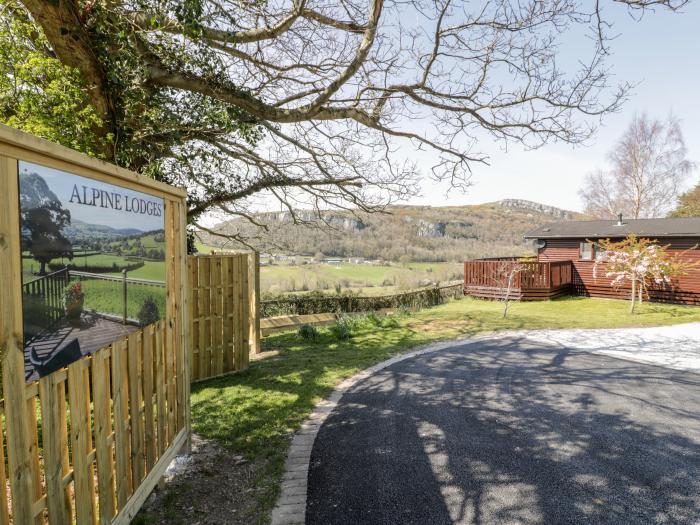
{"type": "Point", "coordinates": [639, 262]}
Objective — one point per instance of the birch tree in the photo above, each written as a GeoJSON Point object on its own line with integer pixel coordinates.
{"type": "Point", "coordinates": [648, 167]}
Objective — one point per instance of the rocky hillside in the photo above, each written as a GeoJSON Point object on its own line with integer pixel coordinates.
{"type": "Point", "coordinates": [406, 233]}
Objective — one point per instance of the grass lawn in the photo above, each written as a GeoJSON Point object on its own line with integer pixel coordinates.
{"type": "Point", "coordinates": [106, 297]}
{"type": "Point", "coordinates": [254, 413]}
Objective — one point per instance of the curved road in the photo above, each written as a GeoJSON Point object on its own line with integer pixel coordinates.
{"type": "Point", "coordinates": [511, 431]}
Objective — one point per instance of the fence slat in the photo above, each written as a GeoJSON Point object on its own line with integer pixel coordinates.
{"type": "Point", "coordinates": [103, 429]}
{"type": "Point", "coordinates": [81, 439]}
{"type": "Point", "coordinates": [254, 301]}
{"type": "Point", "coordinates": [54, 431]}
{"type": "Point", "coordinates": [217, 297]}
{"type": "Point", "coordinates": [195, 352]}
{"type": "Point", "coordinates": [244, 327]}
{"type": "Point", "coordinates": [160, 391]}
{"type": "Point", "coordinates": [134, 357]}
{"type": "Point", "coordinates": [227, 314]}
{"type": "Point", "coordinates": [149, 427]}
{"type": "Point", "coordinates": [120, 403]}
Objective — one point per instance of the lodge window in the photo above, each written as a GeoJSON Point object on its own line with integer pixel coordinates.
{"type": "Point", "coordinates": [586, 251]}
{"type": "Point", "coordinates": [600, 253]}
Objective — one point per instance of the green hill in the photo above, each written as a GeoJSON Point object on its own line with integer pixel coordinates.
{"type": "Point", "coordinates": [404, 233]}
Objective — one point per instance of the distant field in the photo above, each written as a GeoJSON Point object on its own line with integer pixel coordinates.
{"type": "Point", "coordinates": [153, 270]}
{"type": "Point", "coordinates": [147, 241]}
{"type": "Point", "coordinates": [371, 279]}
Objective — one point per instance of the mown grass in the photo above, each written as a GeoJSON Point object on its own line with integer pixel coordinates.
{"type": "Point", "coordinates": [255, 412]}
{"type": "Point", "coordinates": [153, 270]}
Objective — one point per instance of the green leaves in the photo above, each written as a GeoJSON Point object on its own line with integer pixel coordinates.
{"type": "Point", "coordinates": [40, 95]}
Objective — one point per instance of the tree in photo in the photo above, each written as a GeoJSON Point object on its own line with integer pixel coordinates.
{"type": "Point", "coordinates": [639, 262]}
{"type": "Point", "coordinates": [648, 166]}
{"type": "Point", "coordinates": [42, 220]}
{"type": "Point", "coordinates": [315, 103]}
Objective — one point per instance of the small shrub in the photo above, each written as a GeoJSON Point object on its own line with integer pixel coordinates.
{"type": "Point", "coordinates": [390, 322]}
{"type": "Point", "coordinates": [403, 311]}
{"type": "Point", "coordinates": [307, 332]}
{"type": "Point", "coordinates": [149, 313]}
{"type": "Point", "coordinates": [373, 319]}
{"type": "Point", "coordinates": [340, 331]}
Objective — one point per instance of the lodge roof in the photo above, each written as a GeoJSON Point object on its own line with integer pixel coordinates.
{"type": "Point", "coordinates": [671, 227]}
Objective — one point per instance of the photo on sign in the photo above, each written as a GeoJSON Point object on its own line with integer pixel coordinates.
{"type": "Point", "coordinates": [93, 265]}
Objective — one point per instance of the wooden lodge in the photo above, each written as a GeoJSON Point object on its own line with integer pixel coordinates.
{"type": "Point", "coordinates": [567, 252]}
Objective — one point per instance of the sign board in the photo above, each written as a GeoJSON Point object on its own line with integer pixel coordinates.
{"type": "Point", "coordinates": [93, 264]}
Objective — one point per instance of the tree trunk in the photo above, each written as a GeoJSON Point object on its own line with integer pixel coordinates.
{"type": "Point", "coordinates": [634, 295]}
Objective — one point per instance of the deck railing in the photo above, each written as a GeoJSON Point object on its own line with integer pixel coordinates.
{"type": "Point", "coordinates": [532, 275]}
{"type": "Point", "coordinates": [42, 300]}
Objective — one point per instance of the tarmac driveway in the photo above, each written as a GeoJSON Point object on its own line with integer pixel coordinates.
{"type": "Point", "coordinates": [512, 430]}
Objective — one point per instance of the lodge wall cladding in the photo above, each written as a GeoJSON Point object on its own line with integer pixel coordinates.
{"type": "Point", "coordinates": [684, 289]}
{"type": "Point", "coordinates": [89, 424]}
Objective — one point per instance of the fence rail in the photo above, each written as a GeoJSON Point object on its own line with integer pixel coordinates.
{"type": "Point", "coordinates": [116, 278]}
{"type": "Point", "coordinates": [532, 275]}
{"type": "Point", "coordinates": [312, 304]}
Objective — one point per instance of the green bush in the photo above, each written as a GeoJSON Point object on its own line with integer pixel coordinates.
{"type": "Point", "coordinates": [340, 330]}
{"type": "Point", "coordinates": [390, 322]}
{"type": "Point", "coordinates": [307, 332]}
{"type": "Point", "coordinates": [373, 319]}
{"type": "Point", "coordinates": [149, 313]}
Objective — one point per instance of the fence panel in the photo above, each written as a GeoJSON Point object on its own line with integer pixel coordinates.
{"type": "Point", "coordinates": [225, 327]}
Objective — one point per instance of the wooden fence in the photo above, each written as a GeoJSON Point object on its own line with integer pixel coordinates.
{"type": "Point", "coordinates": [532, 280]}
{"type": "Point", "coordinates": [87, 444]}
{"type": "Point", "coordinates": [225, 327]}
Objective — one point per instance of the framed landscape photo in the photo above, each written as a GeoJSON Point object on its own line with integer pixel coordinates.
{"type": "Point", "coordinates": [93, 264]}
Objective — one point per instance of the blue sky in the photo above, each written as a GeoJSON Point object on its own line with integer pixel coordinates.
{"type": "Point", "coordinates": [661, 54]}
{"type": "Point", "coordinates": [62, 184]}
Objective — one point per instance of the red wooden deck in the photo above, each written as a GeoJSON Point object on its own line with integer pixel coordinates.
{"type": "Point", "coordinates": [537, 281]}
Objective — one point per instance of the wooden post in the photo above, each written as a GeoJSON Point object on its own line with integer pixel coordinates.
{"type": "Point", "coordinates": [11, 345]}
{"type": "Point", "coordinates": [254, 301]}
{"type": "Point", "coordinates": [125, 292]}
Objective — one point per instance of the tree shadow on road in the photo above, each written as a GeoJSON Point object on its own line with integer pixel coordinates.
{"type": "Point", "coordinates": [511, 432]}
